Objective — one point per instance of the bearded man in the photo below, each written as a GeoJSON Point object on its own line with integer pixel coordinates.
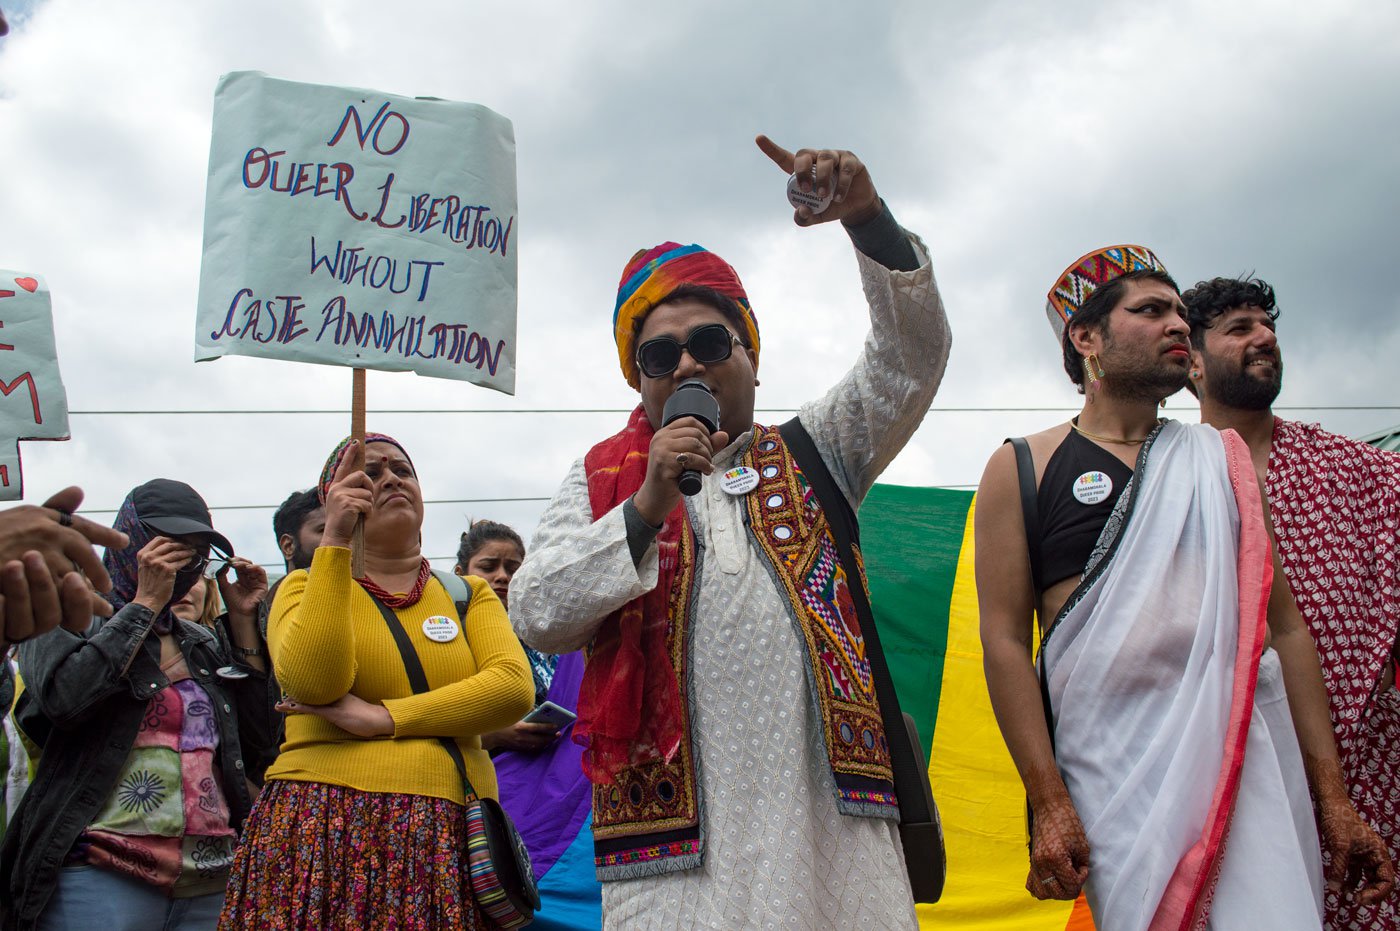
{"type": "Point", "coordinates": [742, 777]}
{"type": "Point", "coordinates": [1177, 682]}
{"type": "Point", "coordinates": [1335, 505]}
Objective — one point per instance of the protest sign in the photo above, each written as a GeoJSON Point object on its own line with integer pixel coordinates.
{"type": "Point", "coordinates": [33, 405]}
{"type": "Point", "coordinates": [352, 227]}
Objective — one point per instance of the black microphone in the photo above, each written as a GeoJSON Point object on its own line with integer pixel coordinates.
{"type": "Point", "coordinates": [692, 398]}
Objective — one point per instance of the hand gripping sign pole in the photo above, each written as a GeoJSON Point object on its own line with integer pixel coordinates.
{"type": "Point", "coordinates": [352, 227]}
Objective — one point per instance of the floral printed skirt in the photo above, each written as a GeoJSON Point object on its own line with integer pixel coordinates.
{"type": "Point", "coordinates": [317, 856]}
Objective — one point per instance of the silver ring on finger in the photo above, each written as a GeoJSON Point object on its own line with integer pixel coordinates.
{"type": "Point", "coordinates": [1049, 881]}
{"type": "Point", "coordinates": [65, 519]}
{"type": "Point", "coordinates": [682, 459]}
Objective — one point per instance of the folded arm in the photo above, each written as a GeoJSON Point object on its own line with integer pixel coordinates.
{"type": "Point", "coordinates": [309, 632]}
{"type": "Point", "coordinates": [500, 693]}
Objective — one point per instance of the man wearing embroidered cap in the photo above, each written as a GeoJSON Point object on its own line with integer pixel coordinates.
{"type": "Point", "coordinates": [1161, 747]}
{"type": "Point", "coordinates": [741, 773]}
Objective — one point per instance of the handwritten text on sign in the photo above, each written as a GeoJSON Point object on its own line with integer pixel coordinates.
{"type": "Point", "coordinates": [33, 405]}
{"type": "Point", "coordinates": [351, 227]}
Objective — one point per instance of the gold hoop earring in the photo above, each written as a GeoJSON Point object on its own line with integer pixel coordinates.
{"type": "Point", "coordinates": [1093, 370]}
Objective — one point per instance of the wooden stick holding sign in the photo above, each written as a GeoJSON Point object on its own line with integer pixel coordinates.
{"type": "Point", "coordinates": [357, 228]}
{"type": "Point", "coordinates": [357, 430]}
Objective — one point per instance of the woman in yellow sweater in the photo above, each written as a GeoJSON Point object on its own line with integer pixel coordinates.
{"type": "Point", "coordinates": [361, 822]}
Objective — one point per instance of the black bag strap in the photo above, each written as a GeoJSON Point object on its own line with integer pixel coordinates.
{"type": "Point", "coordinates": [1030, 508]}
{"type": "Point", "coordinates": [418, 680]}
{"type": "Point", "coordinates": [910, 778]}
{"type": "Point", "coordinates": [1030, 516]}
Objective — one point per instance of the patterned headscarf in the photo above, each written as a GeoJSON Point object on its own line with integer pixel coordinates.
{"type": "Point", "coordinates": [123, 567]}
{"type": "Point", "coordinates": [654, 273]}
{"type": "Point", "coordinates": [323, 485]}
{"type": "Point", "coordinates": [1087, 273]}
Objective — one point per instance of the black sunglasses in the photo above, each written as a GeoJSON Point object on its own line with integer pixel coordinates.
{"type": "Point", "coordinates": [208, 563]}
{"type": "Point", "coordinates": [707, 345]}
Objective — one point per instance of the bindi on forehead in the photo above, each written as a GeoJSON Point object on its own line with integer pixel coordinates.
{"type": "Point", "coordinates": [384, 453]}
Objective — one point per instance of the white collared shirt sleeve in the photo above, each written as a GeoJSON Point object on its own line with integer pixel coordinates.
{"type": "Point", "coordinates": [577, 572]}
{"type": "Point", "coordinates": [862, 423]}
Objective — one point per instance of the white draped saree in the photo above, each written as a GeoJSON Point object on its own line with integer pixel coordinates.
{"type": "Point", "coordinates": [1172, 730]}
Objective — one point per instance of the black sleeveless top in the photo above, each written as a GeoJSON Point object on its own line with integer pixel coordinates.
{"type": "Point", "coordinates": [1081, 484]}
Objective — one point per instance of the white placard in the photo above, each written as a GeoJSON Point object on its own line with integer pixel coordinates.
{"type": "Point", "coordinates": [33, 404]}
{"type": "Point", "coordinates": [352, 227]}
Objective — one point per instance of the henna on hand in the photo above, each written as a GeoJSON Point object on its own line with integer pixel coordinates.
{"type": "Point", "coordinates": [1358, 862]}
{"type": "Point", "coordinates": [1059, 846]}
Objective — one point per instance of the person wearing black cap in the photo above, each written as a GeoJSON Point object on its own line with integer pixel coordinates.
{"type": "Point", "coordinates": [144, 721]}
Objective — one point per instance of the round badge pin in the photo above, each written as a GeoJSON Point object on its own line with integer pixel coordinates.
{"type": "Point", "coordinates": [811, 200]}
{"type": "Point", "coordinates": [440, 629]}
{"type": "Point", "coordinates": [739, 481]}
{"type": "Point", "coordinates": [232, 672]}
{"type": "Point", "coordinates": [1092, 487]}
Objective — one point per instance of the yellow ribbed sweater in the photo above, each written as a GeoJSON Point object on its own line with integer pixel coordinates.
{"type": "Point", "coordinates": [328, 638]}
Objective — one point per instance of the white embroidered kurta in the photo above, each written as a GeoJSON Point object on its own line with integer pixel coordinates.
{"type": "Point", "coordinates": [777, 854]}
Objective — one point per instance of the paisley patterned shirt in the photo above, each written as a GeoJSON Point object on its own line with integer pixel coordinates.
{"type": "Point", "coordinates": [167, 821]}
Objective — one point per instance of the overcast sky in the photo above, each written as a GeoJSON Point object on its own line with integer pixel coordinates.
{"type": "Point", "coordinates": [1013, 137]}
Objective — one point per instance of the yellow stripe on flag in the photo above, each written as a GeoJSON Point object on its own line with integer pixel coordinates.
{"type": "Point", "coordinates": [979, 795]}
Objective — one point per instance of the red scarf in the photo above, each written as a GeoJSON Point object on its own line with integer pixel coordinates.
{"type": "Point", "coordinates": [628, 667]}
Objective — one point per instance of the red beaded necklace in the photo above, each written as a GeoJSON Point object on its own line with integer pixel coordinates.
{"type": "Point", "coordinates": [425, 572]}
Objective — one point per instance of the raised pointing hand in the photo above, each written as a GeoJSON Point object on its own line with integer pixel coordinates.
{"type": "Point", "coordinates": [855, 201]}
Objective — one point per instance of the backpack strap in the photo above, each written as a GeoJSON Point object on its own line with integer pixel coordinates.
{"type": "Point", "coordinates": [458, 590]}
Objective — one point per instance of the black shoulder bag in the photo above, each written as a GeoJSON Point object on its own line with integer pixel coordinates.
{"type": "Point", "coordinates": [920, 831]}
{"type": "Point", "coordinates": [495, 858]}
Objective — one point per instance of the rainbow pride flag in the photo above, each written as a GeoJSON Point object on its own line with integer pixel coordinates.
{"type": "Point", "coordinates": [917, 544]}
{"type": "Point", "coordinates": [918, 550]}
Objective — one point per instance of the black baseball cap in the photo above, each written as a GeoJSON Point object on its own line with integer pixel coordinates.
{"type": "Point", "coordinates": [174, 509]}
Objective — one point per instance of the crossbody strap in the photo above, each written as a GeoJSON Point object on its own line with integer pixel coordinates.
{"type": "Point", "coordinates": [418, 680]}
{"type": "Point", "coordinates": [910, 780]}
{"type": "Point", "coordinates": [1030, 508]}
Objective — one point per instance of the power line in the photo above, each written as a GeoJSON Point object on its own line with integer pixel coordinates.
{"type": "Point", "coordinates": [628, 410]}
{"type": "Point", "coordinates": [281, 567]}
{"type": "Point", "coordinates": [273, 507]}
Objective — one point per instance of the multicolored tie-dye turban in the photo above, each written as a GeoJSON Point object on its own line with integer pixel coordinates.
{"type": "Point", "coordinates": [1090, 271]}
{"type": "Point", "coordinates": [337, 454]}
{"type": "Point", "coordinates": [654, 273]}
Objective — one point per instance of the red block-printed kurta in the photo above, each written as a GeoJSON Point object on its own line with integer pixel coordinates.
{"type": "Point", "coordinates": [1335, 503]}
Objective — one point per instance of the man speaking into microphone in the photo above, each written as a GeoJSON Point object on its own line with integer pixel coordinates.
{"type": "Point", "coordinates": [741, 773]}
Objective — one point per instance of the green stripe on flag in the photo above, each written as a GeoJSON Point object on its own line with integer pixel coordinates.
{"type": "Point", "coordinates": [911, 539]}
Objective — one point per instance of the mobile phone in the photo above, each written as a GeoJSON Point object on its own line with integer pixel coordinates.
{"type": "Point", "coordinates": [550, 713]}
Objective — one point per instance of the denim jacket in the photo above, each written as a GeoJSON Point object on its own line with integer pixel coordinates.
{"type": "Point", "coordinates": [89, 694]}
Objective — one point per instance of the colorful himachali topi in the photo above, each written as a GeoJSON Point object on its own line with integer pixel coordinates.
{"type": "Point", "coordinates": [654, 273]}
{"type": "Point", "coordinates": [1089, 272]}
